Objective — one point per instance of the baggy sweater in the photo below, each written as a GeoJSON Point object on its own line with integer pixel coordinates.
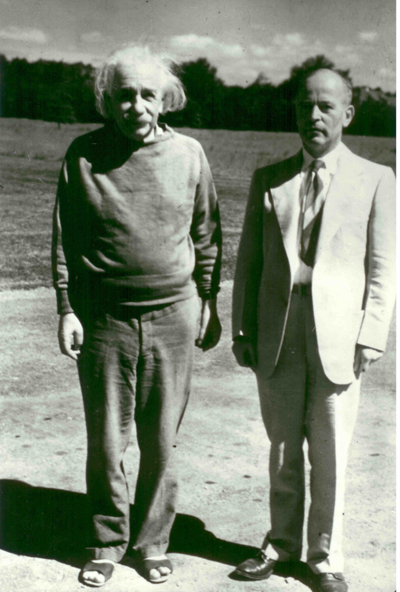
{"type": "Point", "coordinates": [135, 223]}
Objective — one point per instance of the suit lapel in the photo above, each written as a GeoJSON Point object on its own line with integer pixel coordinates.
{"type": "Point", "coordinates": [340, 197]}
{"type": "Point", "coordinates": [284, 192]}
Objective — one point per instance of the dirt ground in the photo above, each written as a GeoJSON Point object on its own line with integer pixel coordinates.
{"type": "Point", "coordinates": [222, 453]}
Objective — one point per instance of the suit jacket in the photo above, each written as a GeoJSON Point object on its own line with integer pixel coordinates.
{"type": "Point", "coordinates": [353, 284]}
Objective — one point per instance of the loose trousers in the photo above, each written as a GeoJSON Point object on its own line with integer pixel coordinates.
{"type": "Point", "coordinates": [135, 366]}
{"type": "Point", "coordinates": [298, 402]}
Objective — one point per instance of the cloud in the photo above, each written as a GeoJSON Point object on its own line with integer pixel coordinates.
{"type": "Point", "coordinates": [92, 37]}
{"type": "Point", "coordinates": [259, 51]}
{"type": "Point", "coordinates": [232, 50]}
{"type": "Point", "coordinates": [343, 49]}
{"type": "Point", "coordinates": [344, 57]}
{"type": "Point", "coordinates": [238, 72]}
{"type": "Point", "coordinates": [387, 73]}
{"type": "Point", "coordinates": [291, 39]}
{"type": "Point", "coordinates": [237, 64]}
{"type": "Point", "coordinates": [385, 78]}
{"type": "Point", "coordinates": [23, 34]}
{"type": "Point", "coordinates": [200, 43]}
{"type": "Point", "coordinates": [368, 36]}
{"type": "Point", "coordinates": [192, 41]}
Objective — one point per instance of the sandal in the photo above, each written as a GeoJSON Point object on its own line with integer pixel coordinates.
{"type": "Point", "coordinates": [105, 568]}
{"type": "Point", "coordinates": [149, 564]}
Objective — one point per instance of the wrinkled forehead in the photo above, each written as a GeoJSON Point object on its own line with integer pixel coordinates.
{"type": "Point", "coordinates": [138, 74]}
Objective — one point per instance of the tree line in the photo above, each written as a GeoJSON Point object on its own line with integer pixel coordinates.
{"type": "Point", "coordinates": [56, 91]}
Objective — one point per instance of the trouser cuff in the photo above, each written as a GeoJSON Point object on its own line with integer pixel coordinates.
{"type": "Point", "coordinates": [151, 550]}
{"type": "Point", "coordinates": [327, 566]}
{"type": "Point", "coordinates": [111, 553]}
{"type": "Point", "coordinates": [274, 550]}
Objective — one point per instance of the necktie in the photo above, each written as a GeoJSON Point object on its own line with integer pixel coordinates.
{"type": "Point", "coordinates": [312, 216]}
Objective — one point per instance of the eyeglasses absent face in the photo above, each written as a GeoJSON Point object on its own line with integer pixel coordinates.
{"type": "Point", "coordinates": [136, 100]}
{"type": "Point", "coordinates": [323, 111]}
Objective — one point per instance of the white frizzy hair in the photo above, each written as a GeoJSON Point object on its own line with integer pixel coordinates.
{"type": "Point", "coordinates": [174, 98]}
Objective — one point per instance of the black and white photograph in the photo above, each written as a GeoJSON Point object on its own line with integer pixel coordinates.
{"type": "Point", "coordinates": [197, 295]}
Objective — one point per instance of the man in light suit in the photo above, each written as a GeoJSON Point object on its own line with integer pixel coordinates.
{"type": "Point", "coordinates": [313, 299]}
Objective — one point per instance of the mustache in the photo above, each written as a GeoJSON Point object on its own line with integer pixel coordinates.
{"type": "Point", "coordinates": [131, 119]}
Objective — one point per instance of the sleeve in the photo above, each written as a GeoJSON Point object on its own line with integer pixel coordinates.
{"type": "Point", "coordinates": [206, 233]}
{"type": "Point", "coordinates": [249, 265]}
{"type": "Point", "coordinates": [380, 265]}
{"type": "Point", "coordinates": [59, 263]}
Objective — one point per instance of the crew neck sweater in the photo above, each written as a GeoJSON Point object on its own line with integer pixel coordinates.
{"type": "Point", "coordinates": [135, 223]}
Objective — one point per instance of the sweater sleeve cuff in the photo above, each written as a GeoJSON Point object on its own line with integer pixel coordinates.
{"type": "Point", "coordinates": [63, 303]}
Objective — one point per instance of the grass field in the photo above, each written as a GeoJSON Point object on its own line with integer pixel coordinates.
{"type": "Point", "coordinates": [31, 154]}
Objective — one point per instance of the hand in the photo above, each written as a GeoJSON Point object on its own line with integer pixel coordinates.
{"type": "Point", "coordinates": [70, 335]}
{"type": "Point", "coordinates": [245, 351]}
{"type": "Point", "coordinates": [210, 327]}
{"type": "Point", "coordinates": [365, 356]}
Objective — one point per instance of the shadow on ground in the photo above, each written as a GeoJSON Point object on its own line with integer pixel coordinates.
{"type": "Point", "coordinates": [50, 523]}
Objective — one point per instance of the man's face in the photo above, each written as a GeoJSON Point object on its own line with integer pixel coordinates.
{"type": "Point", "coordinates": [136, 100]}
{"type": "Point", "coordinates": [322, 111]}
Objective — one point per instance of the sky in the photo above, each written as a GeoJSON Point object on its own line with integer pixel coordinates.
{"type": "Point", "coordinates": [241, 38]}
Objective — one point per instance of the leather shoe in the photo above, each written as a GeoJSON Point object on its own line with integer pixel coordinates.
{"type": "Point", "coordinates": [258, 568]}
{"type": "Point", "coordinates": [331, 582]}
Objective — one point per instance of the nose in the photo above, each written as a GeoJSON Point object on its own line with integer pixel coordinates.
{"type": "Point", "coordinates": [315, 114]}
{"type": "Point", "coordinates": [137, 105]}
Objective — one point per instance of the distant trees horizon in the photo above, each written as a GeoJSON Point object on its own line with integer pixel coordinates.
{"type": "Point", "coordinates": [61, 92]}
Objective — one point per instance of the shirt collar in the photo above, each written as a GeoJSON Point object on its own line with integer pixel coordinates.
{"type": "Point", "coordinates": [330, 159]}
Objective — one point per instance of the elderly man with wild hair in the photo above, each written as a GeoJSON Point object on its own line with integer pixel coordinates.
{"type": "Point", "coordinates": [137, 241]}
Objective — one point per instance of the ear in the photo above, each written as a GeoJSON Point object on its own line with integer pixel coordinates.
{"type": "Point", "coordinates": [348, 115]}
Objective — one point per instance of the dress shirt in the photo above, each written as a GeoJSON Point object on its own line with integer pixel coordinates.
{"type": "Point", "coordinates": [302, 273]}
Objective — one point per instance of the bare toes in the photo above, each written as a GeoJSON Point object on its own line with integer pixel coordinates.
{"type": "Point", "coordinates": [93, 576]}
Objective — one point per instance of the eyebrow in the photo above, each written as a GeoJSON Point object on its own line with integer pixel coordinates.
{"type": "Point", "coordinates": [318, 102]}
{"type": "Point", "coordinates": [128, 88]}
